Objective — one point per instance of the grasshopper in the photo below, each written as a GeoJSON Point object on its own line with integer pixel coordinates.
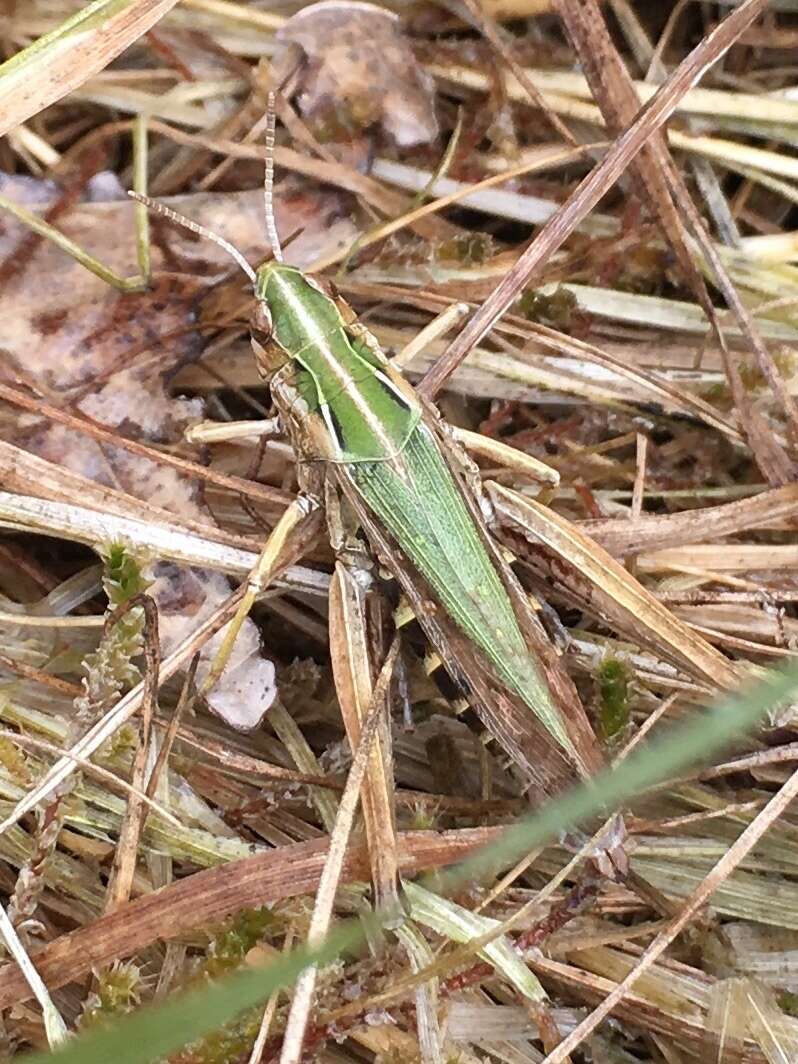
{"type": "Point", "coordinates": [365, 440]}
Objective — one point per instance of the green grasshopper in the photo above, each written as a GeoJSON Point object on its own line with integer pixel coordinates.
{"type": "Point", "coordinates": [362, 433]}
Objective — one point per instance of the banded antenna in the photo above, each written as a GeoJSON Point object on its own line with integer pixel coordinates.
{"type": "Point", "coordinates": [268, 179]}
{"type": "Point", "coordinates": [195, 227]}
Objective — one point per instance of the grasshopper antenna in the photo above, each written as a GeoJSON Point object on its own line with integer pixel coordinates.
{"type": "Point", "coordinates": [195, 227]}
{"type": "Point", "coordinates": [268, 179]}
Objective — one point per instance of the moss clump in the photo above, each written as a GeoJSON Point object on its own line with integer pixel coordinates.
{"type": "Point", "coordinates": [111, 669]}
{"type": "Point", "coordinates": [231, 945]}
{"type": "Point", "coordinates": [754, 379]}
{"type": "Point", "coordinates": [613, 691]}
{"type": "Point", "coordinates": [643, 270]}
{"type": "Point", "coordinates": [15, 763]}
{"type": "Point", "coordinates": [123, 577]}
{"type": "Point", "coordinates": [467, 249]}
{"type": "Point", "coordinates": [424, 818]}
{"type": "Point", "coordinates": [226, 953]}
{"type": "Point", "coordinates": [117, 992]}
{"type": "Point", "coordinates": [555, 309]}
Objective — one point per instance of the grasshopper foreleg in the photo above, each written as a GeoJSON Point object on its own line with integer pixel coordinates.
{"type": "Point", "coordinates": [205, 432]}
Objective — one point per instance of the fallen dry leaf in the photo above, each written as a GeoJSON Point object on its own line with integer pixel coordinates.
{"type": "Point", "coordinates": [360, 72]}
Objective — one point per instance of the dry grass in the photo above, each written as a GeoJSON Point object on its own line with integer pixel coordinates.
{"type": "Point", "coordinates": [632, 288]}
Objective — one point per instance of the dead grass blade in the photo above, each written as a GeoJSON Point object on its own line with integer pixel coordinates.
{"type": "Point", "coordinates": [167, 541]}
{"type": "Point", "coordinates": [207, 897]}
{"type": "Point", "coordinates": [650, 532]}
{"type": "Point", "coordinates": [726, 1021]}
{"type": "Point", "coordinates": [125, 708]}
{"type": "Point", "coordinates": [98, 432]}
{"type": "Point", "coordinates": [611, 590]}
{"type": "Point", "coordinates": [614, 92]}
{"type": "Point", "coordinates": [613, 88]}
{"type": "Point", "coordinates": [114, 782]}
{"type": "Point", "coordinates": [57, 1032]}
{"type": "Point", "coordinates": [26, 473]}
{"type": "Point", "coordinates": [730, 860]}
{"type": "Point", "coordinates": [637, 445]}
{"type": "Point", "coordinates": [64, 59]}
{"type": "Point", "coordinates": [304, 990]}
{"type": "Point", "coordinates": [352, 637]}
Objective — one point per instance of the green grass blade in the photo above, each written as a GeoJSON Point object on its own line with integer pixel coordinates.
{"type": "Point", "coordinates": [151, 1033]}
{"type": "Point", "coordinates": [664, 757]}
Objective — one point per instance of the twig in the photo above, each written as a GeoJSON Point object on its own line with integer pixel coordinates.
{"type": "Point", "coordinates": [53, 1023]}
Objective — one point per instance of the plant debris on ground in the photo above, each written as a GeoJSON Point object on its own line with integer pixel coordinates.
{"type": "Point", "coordinates": [630, 397]}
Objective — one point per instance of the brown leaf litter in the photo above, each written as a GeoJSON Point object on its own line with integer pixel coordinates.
{"type": "Point", "coordinates": [632, 285]}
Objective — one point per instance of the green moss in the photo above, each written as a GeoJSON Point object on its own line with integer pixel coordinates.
{"type": "Point", "coordinates": [788, 1002]}
{"type": "Point", "coordinates": [613, 689]}
{"type": "Point", "coordinates": [111, 668]}
{"type": "Point", "coordinates": [468, 249]}
{"type": "Point", "coordinates": [344, 118]}
{"type": "Point", "coordinates": [424, 818]}
{"type": "Point", "coordinates": [555, 309]}
{"type": "Point", "coordinates": [231, 945]}
{"type": "Point", "coordinates": [227, 952]}
{"type": "Point", "coordinates": [231, 1043]}
{"type": "Point", "coordinates": [786, 362]}
{"type": "Point", "coordinates": [15, 763]}
{"type": "Point", "coordinates": [718, 394]}
{"type": "Point", "coordinates": [122, 578]}
{"type": "Point", "coordinates": [754, 379]}
{"type": "Point", "coordinates": [116, 993]}
{"type": "Point", "coordinates": [642, 270]}
{"type": "Point", "coordinates": [119, 748]}
{"type": "Point", "coordinates": [751, 376]}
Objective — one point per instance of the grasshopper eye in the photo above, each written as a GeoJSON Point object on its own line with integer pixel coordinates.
{"type": "Point", "coordinates": [262, 320]}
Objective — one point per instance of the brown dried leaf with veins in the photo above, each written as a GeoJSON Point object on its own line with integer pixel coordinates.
{"type": "Point", "coordinates": [360, 72]}
{"type": "Point", "coordinates": [83, 344]}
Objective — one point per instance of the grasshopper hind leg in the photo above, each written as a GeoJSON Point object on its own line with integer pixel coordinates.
{"type": "Point", "coordinates": [358, 647]}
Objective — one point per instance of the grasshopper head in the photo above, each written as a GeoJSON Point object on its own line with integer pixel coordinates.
{"type": "Point", "coordinates": [293, 313]}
